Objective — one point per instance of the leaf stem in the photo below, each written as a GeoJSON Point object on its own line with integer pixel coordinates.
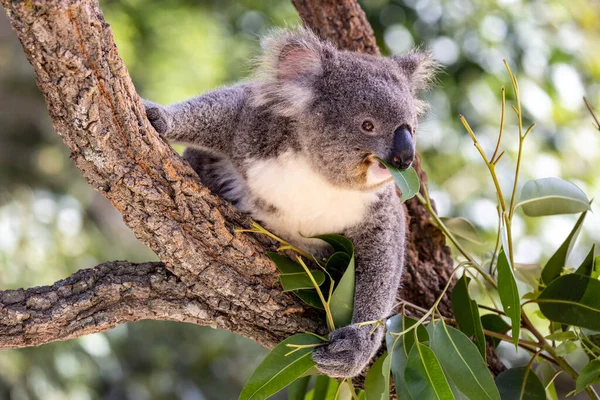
{"type": "Point", "coordinates": [329, 317]}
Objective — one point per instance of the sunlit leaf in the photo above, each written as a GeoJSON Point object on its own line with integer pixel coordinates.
{"type": "Point", "coordinates": [407, 180]}
{"type": "Point", "coordinates": [556, 263]}
{"type": "Point", "coordinates": [551, 196]}
{"type": "Point", "coordinates": [529, 274]}
{"type": "Point", "coordinates": [277, 370]}
{"type": "Point", "coordinates": [572, 299]}
{"type": "Point", "coordinates": [561, 336]}
{"type": "Point", "coordinates": [520, 384]}
{"type": "Point", "coordinates": [509, 295]}
{"type": "Point", "coordinates": [589, 375]}
{"type": "Point", "coordinates": [494, 323]}
{"type": "Point", "coordinates": [424, 376]}
{"type": "Point", "coordinates": [587, 266]}
{"type": "Point", "coordinates": [463, 229]}
{"type": "Point", "coordinates": [463, 363]}
{"type": "Point", "coordinates": [377, 383]}
{"type": "Point", "coordinates": [466, 313]}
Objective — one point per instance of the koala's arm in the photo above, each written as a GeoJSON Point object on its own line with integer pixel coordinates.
{"type": "Point", "coordinates": [379, 251]}
{"type": "Point", "coordinates": [208, 121]}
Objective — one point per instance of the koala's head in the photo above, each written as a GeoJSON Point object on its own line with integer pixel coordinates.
{"type": "Point", "coordinates": [347, 108]}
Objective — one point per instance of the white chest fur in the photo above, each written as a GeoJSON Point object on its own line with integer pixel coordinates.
{"type": "Point", "coordinates": [307, 204]}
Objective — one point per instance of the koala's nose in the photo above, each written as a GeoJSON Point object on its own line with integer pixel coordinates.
{"type": "Point", "coordinates": [404, 148]}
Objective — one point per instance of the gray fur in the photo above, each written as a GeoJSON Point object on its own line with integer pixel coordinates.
{"type": "Point", "coordinates": [308, 101]}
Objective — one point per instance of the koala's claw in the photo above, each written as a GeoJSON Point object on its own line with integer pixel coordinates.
{"type": "Point", "coordinates": [157, 117]}
{"type": "Point", "coordinates": [348, 352]}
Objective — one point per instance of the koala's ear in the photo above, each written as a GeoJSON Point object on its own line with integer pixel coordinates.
{"type": "Point", "coordinates": [291, 55]}
{"type": "Point", "coordinates": [419, 67]}
{"type": "Point", "coordinates": [291, 62]}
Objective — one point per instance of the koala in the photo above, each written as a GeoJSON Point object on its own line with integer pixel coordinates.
{"type": "Point", "coordinates": [295, 147]}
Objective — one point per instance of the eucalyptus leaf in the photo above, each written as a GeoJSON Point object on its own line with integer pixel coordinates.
{"type": "Point", "coordinates": [341, 302]}
{"type": "Point", "coordinates": [529, 274]}
{"type": "Point", "coordinates": [424, 376]}
{"type": "Point", "coordinates": [463, 363]}
{"type": "Point", "coordinates": [509, 295]}
{"type": "Point", "coordinates": [279, 370]}
{"type": "Point", "coordinates": [463, 229]}
{"type": "Point", "coordinates": [556, 263]}
{"type": "Point", "coordinates": [587, 266]}
{"type": "Point", "coordinates": [589, 375]}
{"type": "Point", "coordinates": [310, 297]}
{"type": "Point", "coordinates": [377, 382]}
{"type": "Point", "coordinates": [494, 323]}
{"type": "Point", "coordinates": [572, 299]}
{"type": "Point", "coordinates": [466, 313]}
{"type": "Point", "coordinates": [325, 388]}
{"type": "Point", "coordinates": [551, 196]}
{"type": "Point", "coordinates": [297, 389]}
{"type": "Point", "coordinates": [399, 348]}
{"type": "Point", "coordinates": [284, 264]}
{"type": "Point", "coordinates": [407, 180]}
{"type": "Point", "coordinates": [546, 372]}
{"type": "Point", "coordinates": [562, 336]}
{"type": "Point", "coordinates": [300, 280]}
{"type": "Point", "coordinates": [565, 348]}
{"type": "Point", "coordinates": [520, 384]}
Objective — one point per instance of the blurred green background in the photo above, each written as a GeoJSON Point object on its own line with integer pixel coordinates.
{"type": "Point", "coordinates": [52, 223]}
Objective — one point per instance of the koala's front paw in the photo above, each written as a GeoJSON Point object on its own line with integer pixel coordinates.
{"type": "Point", "coordinates": [349, 351]}
{"type": "Point", "coordinates": [157, 117]}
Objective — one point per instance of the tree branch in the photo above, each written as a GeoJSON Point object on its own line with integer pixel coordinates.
{"type": "Point", "coordinates": [98, 114]}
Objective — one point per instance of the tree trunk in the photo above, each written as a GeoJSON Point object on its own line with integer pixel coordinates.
{"type": "Point", "coordinates": [211, 275]}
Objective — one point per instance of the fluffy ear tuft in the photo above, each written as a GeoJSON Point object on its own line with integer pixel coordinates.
{"type": "Point", "coordinates": [292, 60]}
{"type": "Point", "coordinates": [419, 67]}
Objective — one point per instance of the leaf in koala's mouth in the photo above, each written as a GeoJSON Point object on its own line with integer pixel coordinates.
{"type": "Point", "coordinates": [406, 179]}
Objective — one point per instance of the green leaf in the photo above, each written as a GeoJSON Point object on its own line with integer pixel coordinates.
{"type": "Point", "coordinates": [407, 180]}
{"type": "Point", "coordinates": [520, 384]}
{"type": "Point", "coordinates": [561, 336]}
{"type": "Point", "coordinates": [565, 348]}
{"type": "Point", "coordinates": [284, 264]}
{"type": "Point", "coordinates": [337, 264]}
{"type": "Point", "coordinates": [424, 376]}
{"type": "Point", "coordinates": [325, 388]}
{"type": "Point", "coordinates": [556, 263]}
{"type": "Point", "coordinates": [494, 323]}
{"type": "Point", "coordinates": [463, 363]}
{"type": "Point", "coordinates": [546, 372]}
{"type": "Point", "coordinates": [277, 370]}
{"type": "Point", "coordinates": [589, 375]}
{"type": "Point", "coordinates": [300, 280]}
{"type": "Point", "coordinates": [297, 389]}
{"type": "Point", "coordinates": [399, 348]}
{"type": "Point", "coordinates": [587, 266]}
{"type": "Point", "coordinates": [338, 242]}
{"type": "Point", "coordinates": [342, 299]}
{"type": "Point", "coordinates": [310, 297]}
{"type": "Point", "coordinates": [529, 274]}
{"type": "Point", "coordinates": [572, 299]}
{"type": "Point", "coordinates": [466, 313]}
{"type": "Point", "coordinates": [377, 383]}
{"type": "Point", "coordinates": [463, 229]}
{"type": "Point", "coordinates": [551, 196]}
{"type": "Point", "coordinates": [509, 295]}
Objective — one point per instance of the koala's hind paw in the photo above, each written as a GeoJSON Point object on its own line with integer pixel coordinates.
{"type": "Point", "coordinates": [157, 117]}
{"type": "Point", "coordinates": [349, 351]}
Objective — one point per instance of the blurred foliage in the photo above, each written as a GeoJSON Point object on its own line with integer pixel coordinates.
{"type": "Point", "coordinates": [52, 223]}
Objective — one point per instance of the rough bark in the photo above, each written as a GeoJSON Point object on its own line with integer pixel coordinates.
{"type": "Point", "coordinates": [211, 275]}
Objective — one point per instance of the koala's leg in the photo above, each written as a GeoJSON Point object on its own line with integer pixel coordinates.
{"type": "Point", "coordinates": [208, 121]}
{"type": "Point", "coordinates": [379, 252]}
{"type": "Point", "coordinates": [218, 174]}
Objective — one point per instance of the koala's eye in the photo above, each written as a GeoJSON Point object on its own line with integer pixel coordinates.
{"type": "Point", "coordinates": [368, 126]}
